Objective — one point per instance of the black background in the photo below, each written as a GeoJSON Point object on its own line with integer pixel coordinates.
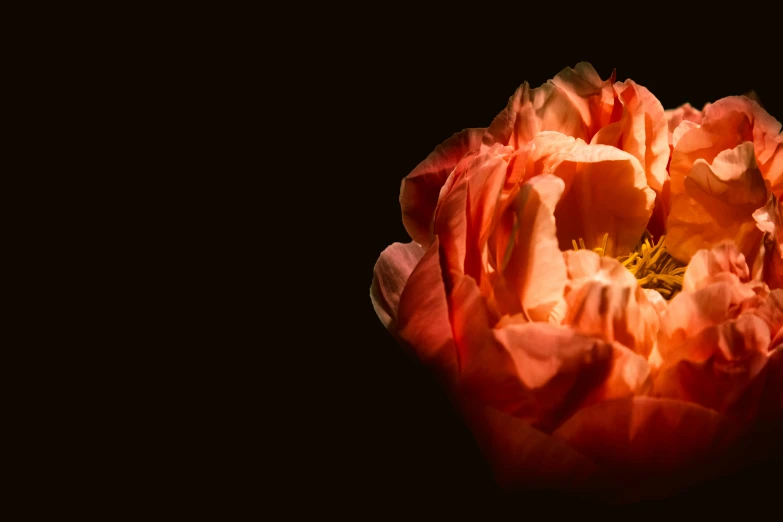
{"type": "Point", "coordinates": [408, 88]}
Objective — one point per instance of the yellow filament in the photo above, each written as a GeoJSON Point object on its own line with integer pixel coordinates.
{"type": "Point", "coordinates": [650, 263]}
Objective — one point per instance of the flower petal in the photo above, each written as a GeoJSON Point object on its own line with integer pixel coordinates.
{"type": "Point", "coordinates": [606, 192]}
{"type": "Point", "coordinates": [420, 189]}
{"type": "Point", "coordinates": [523, 457]}
{"type": "Point", "coordinates": [605, 300]}
{"type": "Point", "coordinates": [531, 262]}
{"type": "Point", "coordinates": [706, 264]}
{"type": "Point", "coordinates": [647, 435]}
{"type": "Point", "coordinates": [727, 123]}
{"type": "Point", "coordinates": [423, 318]}
{"type": "Point", "coordinates": [642, 131]}
{"type": "Point", "coordinates": [769, 219]}
{"type": "Point", "coordinates": [576, 103]}
{"type": "Point", "coordinates": [685, 112]}
{"type": "Point", "coordinates": [390, 275]}
{"type": "Point", "coordinates": [718, 366]}
{"type": "Point", "coordinates": [715, 203]}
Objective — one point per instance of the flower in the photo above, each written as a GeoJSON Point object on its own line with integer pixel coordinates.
{"type": "Point", "coordinates": [547, 283]}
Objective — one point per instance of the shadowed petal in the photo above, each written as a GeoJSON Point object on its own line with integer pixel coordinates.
{"type": "Point", "coordinates": [420, 189]}
{"type": "Point", "coordinates": [643, 434]}
{"type": "Point", "coordinates": [717, 367]}
{"type": "Point", "coordinates": [769, 219]}
{"type": "Point", "coordinates": [521, 456]}
{"type": "Point", "coordinates": [423, 318]}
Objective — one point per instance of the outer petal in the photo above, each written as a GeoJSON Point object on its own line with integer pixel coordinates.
{"type": "Point", "coordinates": [390, 275]}
{"type": "Point", "coordinates": [605, 192]}
{"type": "Point", "coordinates": [641, 438]}
{"type": "Point", "coordinates": [522, 456]}
{"type": "Point", "coordinates": [420, 189]}
{"type": "Point", "coordinates": [423, 318]}
{"type": "Point", "coordinates": [715, 203]}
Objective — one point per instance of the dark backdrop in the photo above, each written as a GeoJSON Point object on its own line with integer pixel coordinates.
{"type": "Point", "coordinates": [410, 88]}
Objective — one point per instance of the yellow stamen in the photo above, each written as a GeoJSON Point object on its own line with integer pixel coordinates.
{"type": "Point", "coordinates": [650, 263]}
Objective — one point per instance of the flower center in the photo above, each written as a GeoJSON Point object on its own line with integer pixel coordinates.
{"type": "Point", "coordinates": [650, 263]}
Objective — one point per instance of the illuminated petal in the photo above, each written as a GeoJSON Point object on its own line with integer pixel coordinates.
{"type": "Point", "coordinates": [605, 300]}
{"type": "Point", "coordinates": [685, 112]}
{"type": "Point", "coordinates": [706, 264]}
{"type": "Point", "coordinates": [715, 203]}
{"type": "Point", "coordinates": [641, 131]}
{"type": "Point", "coordinates": [727, 123]}
{"type": "Point", "coordinates": [531, 260]}
{"type": "Point", "coordinates": [606, 192]}
{"type": "Point", "coordinates": [576, 103]}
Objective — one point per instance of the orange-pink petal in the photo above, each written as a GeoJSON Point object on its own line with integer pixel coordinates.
{"type": "Point", "coordinates": [605, 300]}
{"type": "Point", "coordinates": [606, 192]}
{"type": "Point", "coordinates": [715, 202]}
{"type": "Point", "coordinates": [420, 189]}
{"type": "Point", "coordinates": [390, 276]}
{"type": "Point", "coordinates": [423, 316]}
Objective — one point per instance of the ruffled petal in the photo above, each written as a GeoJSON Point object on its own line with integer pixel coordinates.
{"type": "Point", "coordinates": [705, 265]}
{"type": "Point", "coordinates": [576, 103]}
{"type": "Point", "coordinates": [715, 203]}
{"type": "Point", "coordinates": [420, 189]}
{"type": "Point", "coordinates": [641, 131]}
{"type": "Point", "coordinates": [717, 367]}
{"type": "Point", "coordinates": [605, 300]}
{"type": "Point", "coordinates": [685, 112]}
{"type": "Point", "coordinates": [727, 123]}
{"type": "Point", "coordinates": [689, 313]}
{"type": "Point", "coordinates": [390, 276]}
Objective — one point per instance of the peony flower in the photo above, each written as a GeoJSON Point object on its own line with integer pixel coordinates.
{"type": "Point", "coordinates": [586, 345]}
